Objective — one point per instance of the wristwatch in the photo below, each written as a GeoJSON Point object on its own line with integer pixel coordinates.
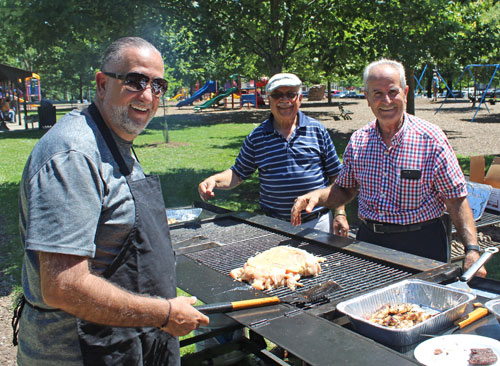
{"type": "Point", "coordinates": [470, 247]}
{"type": "Point", "coordinates": [340, 212]}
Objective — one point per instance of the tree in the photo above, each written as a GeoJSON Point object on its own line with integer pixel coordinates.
{"type": "Point", "coordinates": [268, 33]}
{"type": "Point", "coordinates": [66, 37]}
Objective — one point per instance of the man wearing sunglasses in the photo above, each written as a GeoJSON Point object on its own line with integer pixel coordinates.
{"type": "Point", "coordinates": [292, 153]}
{"type": "Point", "coordinates": [99, 269]}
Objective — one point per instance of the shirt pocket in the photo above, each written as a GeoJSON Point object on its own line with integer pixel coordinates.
{"type": "Point", "coordinates": [410, 194]}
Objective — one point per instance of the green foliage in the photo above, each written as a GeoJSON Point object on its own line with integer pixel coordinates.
{"type": "Point", "coordinates": [62, 40]}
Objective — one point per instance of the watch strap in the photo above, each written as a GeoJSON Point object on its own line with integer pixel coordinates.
{"type": "Point", "coordinates": [470, 247]}
{"type": "Point", "coordinates": [340, 212]}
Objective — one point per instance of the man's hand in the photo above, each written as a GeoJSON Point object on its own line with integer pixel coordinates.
{"type": "Point", "coordinates": [340, 225]}
{"type": "Point", "coordinates": [306, 202]}
{"type": "Point", "coordinates": [206, 188]}
{"type": "Point", "coordinates": [184, 318]}
{"type": "Point", "coordinates": [470, 258]}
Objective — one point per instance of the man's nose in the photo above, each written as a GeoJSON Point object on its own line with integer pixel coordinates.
{"type": "Point", "coordinates": [386, 98]}
{"type": "Point", "coordinates": [147, 93]}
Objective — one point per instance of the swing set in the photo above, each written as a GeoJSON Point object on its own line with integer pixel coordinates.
{"type": "Point", "coordinates": [420, 79]}
{"type": "Point", "coordinates": [483, 94]}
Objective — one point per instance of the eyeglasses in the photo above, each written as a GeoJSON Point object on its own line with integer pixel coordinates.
{"type": "Point", "coordinates": [291, 95]}
{"type": "Point", "coordinates": [136, 82]}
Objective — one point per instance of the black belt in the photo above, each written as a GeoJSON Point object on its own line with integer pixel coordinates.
{"type": "Point", "coordinates": [314, 215]}
{"type": "Point", "coordinates": [387, 228]}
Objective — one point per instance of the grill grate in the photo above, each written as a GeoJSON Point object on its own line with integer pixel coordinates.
{"type": "Point", "coordinates": [489, 217]}
{"type": "Point", "coordinates": [352, 273]}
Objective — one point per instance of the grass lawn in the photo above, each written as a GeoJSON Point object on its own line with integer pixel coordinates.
{"type": "Point", "coordinates": [193, 153]}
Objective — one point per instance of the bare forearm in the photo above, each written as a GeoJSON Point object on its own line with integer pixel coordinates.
{"type": "Point", "coordinates": [338, 197]}
{"type": "Point", "coordinates": [101, 302]}
{"type": "Point", "coordinates": [461, 216]}
{"type": "Point", "coordinates": [226, 180]}
{"type": "Point", "coordinates": [95, 299]}
{"type": "Point", "coordinates": [339, 208]}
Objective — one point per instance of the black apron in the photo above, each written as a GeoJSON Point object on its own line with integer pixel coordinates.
{"type": "Point", "coordinates": [145, 265]}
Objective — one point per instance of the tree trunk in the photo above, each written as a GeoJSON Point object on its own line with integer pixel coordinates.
{"type": "Point", "coordinates": [410, 104]}
{"type": "Point", "coordinates": [275, 55]}
{"type": "Point", "coordinates": [81, 88]}
{"type": "Point", "coordinates": [328, 90]}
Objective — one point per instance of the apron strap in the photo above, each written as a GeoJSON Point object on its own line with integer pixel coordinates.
{"type": "Point", "coordinates": [110, 141]}
{"type": "Point", "coordinates": [18, 310]}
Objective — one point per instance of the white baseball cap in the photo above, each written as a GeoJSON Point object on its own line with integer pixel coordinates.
{"type": "Point", "coordinates": [282, 79]}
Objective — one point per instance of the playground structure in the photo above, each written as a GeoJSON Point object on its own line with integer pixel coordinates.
{"type": "Point", "coordinates": [235, 89]}
{"type": "Point", "coordinates": [13, 89]}
{"type": "Point", "coordinates": [254, 98]}
{"type": "Point", "coordinates": [484, 92]}
{"type": "Point", "coordinates": [181, 94]}
{"type": "Point", "coordinates": [33, 89]}
{"type": "Point", "coordinates": [209, 87]}
{"type": "Point", "coordinates": [214, 100]}
{"type": "Point", "coordinates": [419, 85]}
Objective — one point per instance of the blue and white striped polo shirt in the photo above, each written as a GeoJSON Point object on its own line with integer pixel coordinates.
{"type": "Point", "coordinates": [288, 169]}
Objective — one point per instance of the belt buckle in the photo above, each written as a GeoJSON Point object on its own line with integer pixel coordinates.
{"type": "Point", "coordinates": [375, 229]}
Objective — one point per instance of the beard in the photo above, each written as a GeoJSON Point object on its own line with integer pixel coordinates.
{"type": "Point", "coordinates": [119, 115]}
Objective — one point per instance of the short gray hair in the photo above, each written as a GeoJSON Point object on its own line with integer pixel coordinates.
{"type": "Point", "coordinates": [113, 53]}
{"type": "Point", "coordinates": [395, 64]}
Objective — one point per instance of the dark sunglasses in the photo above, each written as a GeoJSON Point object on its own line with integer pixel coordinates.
{"type": "Point", "coordinates": [136, 82]}
{"type": "Point", "coordinates": [290, 95]}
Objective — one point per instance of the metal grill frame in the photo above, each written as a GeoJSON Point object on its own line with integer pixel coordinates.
{"type": "Point", "coordinates": [414, 266]}
{"type": "Point", "coordinates": [327, 341]}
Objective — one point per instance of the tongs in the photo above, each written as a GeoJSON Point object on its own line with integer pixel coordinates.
{"type": "Point", "coordinates": [316, 295]}
{"type": "Point", "coordinates": [467, 276]}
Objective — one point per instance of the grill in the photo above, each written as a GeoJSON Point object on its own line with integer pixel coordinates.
{"type": "Point", "coordinates": [353, 274]}
{"type": "Point", "coordinates": [357, 267]}
{"type": "Point", "coordinates": [488, 218]}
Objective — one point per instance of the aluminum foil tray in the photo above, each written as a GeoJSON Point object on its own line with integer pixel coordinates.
{"type": "Point", "coordinates": [183, 214]}
{"type": "Point", "coordinates": [447, 303]}
{"type": "Point", "coordinates": [493, 307]}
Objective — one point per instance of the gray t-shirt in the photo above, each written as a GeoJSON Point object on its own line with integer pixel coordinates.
{"type": "Point", "coordinates": [73, 200]}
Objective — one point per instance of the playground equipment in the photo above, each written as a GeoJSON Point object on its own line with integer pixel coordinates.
{"type": "Point", "coordinates": [468, 68]}
{"type": "Point", "coordinates": [233, 89]}
{"type": "Point", "coordinates": [209, 87]}
{"type": "Point", "coordinates": [436, 70]}
{"type": "Point", "coordinates": [254, 98]}
{"type": "Point", "coordinates": [182, 94]}
{"type": "Point", "coordinates": [33, 89]}
{"type": "Point", "coordinates": [218, 97]}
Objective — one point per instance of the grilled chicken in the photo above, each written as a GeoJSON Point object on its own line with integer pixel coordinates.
{"type": "Point", "coordinates": [278, 266]}
{"type": "Point", "coordinates": [399, 316]}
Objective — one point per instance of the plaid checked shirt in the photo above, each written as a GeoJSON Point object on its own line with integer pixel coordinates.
{"type": "Point", "coordinates": [386, 197]}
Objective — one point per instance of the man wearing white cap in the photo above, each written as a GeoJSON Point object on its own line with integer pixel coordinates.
{"type": "Point", "coordinates": [293, 154]}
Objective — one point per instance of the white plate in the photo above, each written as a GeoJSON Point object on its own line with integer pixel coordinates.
{"type": "Point", "coordinates": [456, 349]}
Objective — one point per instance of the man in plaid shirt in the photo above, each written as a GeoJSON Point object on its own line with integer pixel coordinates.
{"type": "Point", "coordinates": [406, 174]}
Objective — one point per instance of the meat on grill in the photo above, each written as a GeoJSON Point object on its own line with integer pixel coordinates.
{"type": "Point", "coordinates": [482, 356]}
{"type": "Point", "coordinates": [278, 266]}
{"type": "Point", "coordinates": [399, 316]}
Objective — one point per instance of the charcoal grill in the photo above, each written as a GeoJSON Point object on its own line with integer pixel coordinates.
{"type": "Point", "coordinates": [315, 333]}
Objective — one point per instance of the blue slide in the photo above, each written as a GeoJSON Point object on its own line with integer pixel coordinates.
{"type": "Point", "coordinates": [209, 87]}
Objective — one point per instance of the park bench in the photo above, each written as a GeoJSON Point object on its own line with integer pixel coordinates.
{"type": "Point", "coordinates": [33, 118]}
{"type": "Point", "coordinates": [345, 113]}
